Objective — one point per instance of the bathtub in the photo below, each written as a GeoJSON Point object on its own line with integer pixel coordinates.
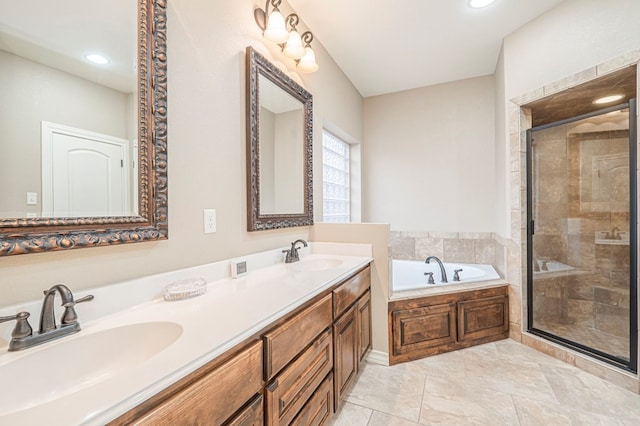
{"type": "Point", "coordinates": [409, 274]}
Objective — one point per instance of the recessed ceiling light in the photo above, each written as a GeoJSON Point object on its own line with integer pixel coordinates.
{"type": "Point", "coordinates": [477, 4]}
{"type": "Point", "coordinates": [97, 59]}
{"type": "Point", "coordinates": [608, 99]}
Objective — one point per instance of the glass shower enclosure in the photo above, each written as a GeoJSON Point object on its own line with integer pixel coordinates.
{"type": "Point", "coordinates": [582, 234]}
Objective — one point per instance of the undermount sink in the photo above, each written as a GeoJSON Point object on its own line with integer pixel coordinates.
{"type": "Point", "coordinates": [68, 366]}
{"type": "Point", "coordinates": [316, 265]}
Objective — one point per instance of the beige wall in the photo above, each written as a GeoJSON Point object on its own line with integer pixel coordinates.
{"type": "Point", "coordinates": [428, 161]}
{"type": "Point", "coordinates": [378, 236]}
{"type": "Point", "coordinates": [569, 39]}
{"type": "Point", "coordinates": [206, 43]}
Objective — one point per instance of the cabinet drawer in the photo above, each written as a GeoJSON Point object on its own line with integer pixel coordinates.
{"type": "Point", "coordinates": [482, 318]}
{"type": "Point", "coordinates": [318, 409]}
{"type": "Point", "coordinates": [285, 342]}
{"type": "Point", "coordinates": [350, 291]}
{"type": "Point", "coordinates": [215, 397]}
{"type": "Point", "coordinates": [423, 328]}
{"type": "Point", "coordinates": [297, 382]}
{"type": "Point", "coordinates": [252, 415]}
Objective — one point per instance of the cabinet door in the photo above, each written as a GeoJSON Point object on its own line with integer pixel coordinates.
{"type": "Point", "coordinates": [424, 331]}
{"type": "Point", "coordinates": [363, 310]}
{"type": "Point", "coordinates": [483, 318]}
{"type": "Point", "coordinates": [345, 334]}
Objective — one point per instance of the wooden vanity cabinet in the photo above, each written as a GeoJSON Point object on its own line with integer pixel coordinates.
{"type": "Point", "coordinates": [228, 394]}
{"type": "Point", "coordinates": [284, 378]}
{"type": "Point", "coordinates": [435, 324]}
{"type": "Point", "coordinates": [351, 331]}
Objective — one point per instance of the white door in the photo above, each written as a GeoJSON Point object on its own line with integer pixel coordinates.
{"type": "Point", "coordinates": [84, 173]}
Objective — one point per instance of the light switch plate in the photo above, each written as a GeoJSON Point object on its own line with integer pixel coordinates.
{"type": "Point", "coordinates": [209, 221]}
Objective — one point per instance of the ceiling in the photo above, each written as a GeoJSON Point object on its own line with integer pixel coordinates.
{"type": "Point", "coordinates": [393, 45]}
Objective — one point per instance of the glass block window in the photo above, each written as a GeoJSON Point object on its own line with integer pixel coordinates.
{"type": "Point", "coordinates": [335, 179]}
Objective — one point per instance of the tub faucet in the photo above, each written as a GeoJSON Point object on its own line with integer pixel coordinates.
{"type": "Point", "coordinates": [292, 253]}
{"type": "Point", "coordinates": [439, 262]}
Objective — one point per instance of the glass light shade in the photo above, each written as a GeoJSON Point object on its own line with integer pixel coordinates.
{"type": "Point", "coordinates": [276, 30]}
{"type": "Point", "coordinates": [294, 48]}
{"type": "Point", "coordinates": [308, 62]}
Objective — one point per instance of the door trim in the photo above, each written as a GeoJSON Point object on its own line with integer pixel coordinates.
{"type": "Point", "coordinates": [49, 129]}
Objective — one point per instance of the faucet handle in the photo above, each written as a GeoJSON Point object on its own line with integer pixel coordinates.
{"type": "Point", "coordinates": [430, 280]}
{"type": "Point", "coordinates": [70, 316]}
{"type": "Point", "coordinates": [23, 328]}
{"type": "Point", "coordinates": [456, 274]}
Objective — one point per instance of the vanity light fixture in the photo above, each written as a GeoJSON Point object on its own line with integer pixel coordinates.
{"type": "Point", "coordinates": [96, 58]}
{"type": "Point", "coordinates": [608, 99]}
{"type": "Point", "coordinates": [291, 42]}
{"type": "Point", "coordinates": [477, 4]}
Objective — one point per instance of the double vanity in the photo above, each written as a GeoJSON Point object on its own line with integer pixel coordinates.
{"type": "Point", "coordinates": [281, 344]}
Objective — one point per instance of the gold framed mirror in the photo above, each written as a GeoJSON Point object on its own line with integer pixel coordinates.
{"type": "Point", "coordinates": [279, 148]}
{"type": "Point", "coordinates": [39, 223]}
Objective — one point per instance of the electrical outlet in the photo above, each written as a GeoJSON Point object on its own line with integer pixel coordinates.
{"type": "Point", "coordinates": [209, 221]}
{"type": "Point", "coordinates": [32, 198]}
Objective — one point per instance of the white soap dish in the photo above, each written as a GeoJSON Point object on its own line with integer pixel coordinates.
{"type": "Point", "coordinates": [185, 289]}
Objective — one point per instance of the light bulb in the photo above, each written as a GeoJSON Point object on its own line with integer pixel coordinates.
{"type": "Point", "coordinates": [608, 99]}
{"type": "Point", "coordinates": [308, 62]}
{"type": "Point", "coordinates": [477, 4]}
{"type": "Point", "coordinates": [294, 48]}
{"type": "Point", "coordinates": [276, 30]}
{"type": "Point", "coordinates": [97, 59]}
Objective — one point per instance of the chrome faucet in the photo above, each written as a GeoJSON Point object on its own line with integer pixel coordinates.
{"type": "Point", "coordinates": [22, 336]}
{"type": "Point", "coordinates": [292, 253]}
{"type": "Point", "coordinates": [442, 271]}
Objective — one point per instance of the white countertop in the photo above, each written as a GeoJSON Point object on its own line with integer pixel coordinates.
{"type": "Point", "coordinates": [231, 311]}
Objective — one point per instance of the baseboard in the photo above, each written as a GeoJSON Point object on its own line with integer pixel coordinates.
{"type": "Point", "coordinates": [378, 357]}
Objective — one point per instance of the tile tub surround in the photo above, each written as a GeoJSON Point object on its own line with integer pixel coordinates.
{"type": "Point", "coordinates": [451, 247]}
{"type": "Point", "coordinates": [232, 310]}
{"type": "Point", "coordinates": [502, 383]}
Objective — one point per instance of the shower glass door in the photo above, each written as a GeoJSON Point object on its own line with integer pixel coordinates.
{"type": "Point", "coordinates": [582, 272]}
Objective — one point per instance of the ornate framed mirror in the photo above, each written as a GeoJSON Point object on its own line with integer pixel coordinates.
{"type": "Point", "coordinates": [90, 154]}
{"type": "Point", "coordinates": [279, 148]}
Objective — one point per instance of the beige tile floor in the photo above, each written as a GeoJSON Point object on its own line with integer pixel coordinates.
{"type": "Point", "coordinates": [500, 383]}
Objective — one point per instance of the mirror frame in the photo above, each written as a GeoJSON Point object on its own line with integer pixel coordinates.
{"type": "Point", "coordinates": [35, 235]}
{"type": "Point", "coordinates": [256, 220]}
